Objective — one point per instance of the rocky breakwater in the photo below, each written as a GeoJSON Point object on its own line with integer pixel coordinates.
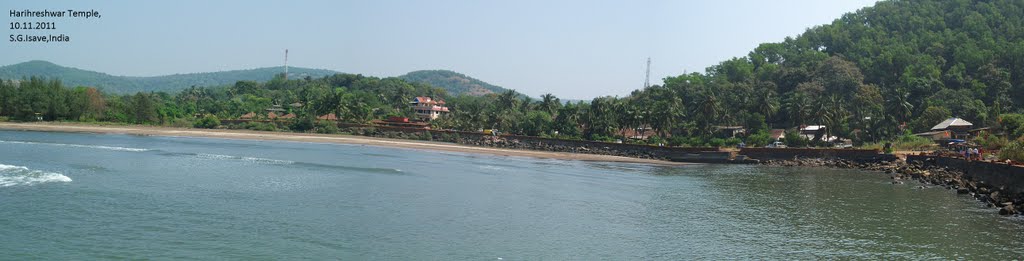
{"type": "Point", "coordinates": [1005, 199]}
{"type": "Point", "coordinates": [834, 163]}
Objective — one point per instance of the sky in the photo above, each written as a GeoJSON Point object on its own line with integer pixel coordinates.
{"type": "Point", "coordinates": [573, 49]}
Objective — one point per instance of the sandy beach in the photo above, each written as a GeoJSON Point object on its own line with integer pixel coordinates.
{"type": "Point", "coordinates": [317, 138]}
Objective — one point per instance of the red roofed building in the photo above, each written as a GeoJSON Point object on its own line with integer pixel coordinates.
{"type": "Point", "coordinates": [330, 117]}
{"type": "Point", "coordinates": [271, 115]}
{"type": "Point", "coordinates": [288, 116]}
{"type": "Point", "coordinates": [248, 116]}
{"type": "Point", "coordinates": [428, 109]}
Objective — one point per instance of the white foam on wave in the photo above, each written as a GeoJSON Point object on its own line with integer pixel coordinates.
{"type": "Point", "coordinates": [19, 175]}
{"type": "Point", "coordinates": [78, 146]}
{"type": "Point", "coordinates": [246, 159]}
{"type": "Point", "coordinates": [491, 167]}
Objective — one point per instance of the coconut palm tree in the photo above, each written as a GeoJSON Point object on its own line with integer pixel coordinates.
{"type": "Point", "coordinates": [550, 104]}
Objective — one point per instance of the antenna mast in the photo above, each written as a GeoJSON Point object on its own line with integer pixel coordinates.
{"type": "Point", "coordinates": [647, 81]}
{"type": "Point", "coordinates": [285, 64]}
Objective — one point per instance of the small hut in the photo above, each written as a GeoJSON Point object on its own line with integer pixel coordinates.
{"type": "Point", "coordinates": [957, 127]}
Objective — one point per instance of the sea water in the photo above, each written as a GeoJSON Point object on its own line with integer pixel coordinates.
{"type": "Point", "coordinates": [67, 196]}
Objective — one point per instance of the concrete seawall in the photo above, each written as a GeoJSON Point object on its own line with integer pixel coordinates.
{"type": "Point", "coordinates": [680, 154]}
{"type": "Point", "coordinates": [857, 155]}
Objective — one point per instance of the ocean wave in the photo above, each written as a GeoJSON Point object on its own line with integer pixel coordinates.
{"type": "Point", "coordinates": [20, 175]}
{"type": "Point", "coordinates": [77, 145]}
{"type": "Point", "coordinates": [267, 161]}
{"type": "Point", "coordinates": [352, 168]}
{"type": "Point", "coordinates": [246, 159]}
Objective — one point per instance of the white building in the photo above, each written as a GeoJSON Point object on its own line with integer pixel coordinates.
{"type": "Point", "coordinates": [427, 108]}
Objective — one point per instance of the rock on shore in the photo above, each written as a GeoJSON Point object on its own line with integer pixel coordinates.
{"type": "Point", "coordinates": [938, 176]}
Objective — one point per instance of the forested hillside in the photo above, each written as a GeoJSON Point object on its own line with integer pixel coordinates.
{"type": "Point", "coordinates": [167, 83]}
{"type": "Point", "coordinates": [898, 62]}
{"type": "Point", "coordinates": [455, 83]}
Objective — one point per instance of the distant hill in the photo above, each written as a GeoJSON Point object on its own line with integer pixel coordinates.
{"type": "Point", "coordinates": [455, 83]}
{"type": "Point", "coordinates": [128, 84]}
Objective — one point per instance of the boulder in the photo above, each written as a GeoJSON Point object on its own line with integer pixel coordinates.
{"type": "Point", "coordinates": [1007, 210]}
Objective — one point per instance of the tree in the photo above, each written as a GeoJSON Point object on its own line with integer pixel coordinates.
{"type": "Point", "coordinates": [143, 109]}
{"type": "Point", "coordinates": [550, 104]}
{"type": "Point", "coordinates": [931, 116]}
{"type": "Point", "coordinates": [567, 123]}
{"type": "Point", "coordinates": [898, 106]}
{"type": "Point", "coordinates": [207, 122]}
{"type": "Point", "coordinates": [602, 117]}
{"type": "Point", "coordinates": [798, 108]}
{"type": "Point", "coordinates": [537, 123]}
{"type": "Point", "coordinates": [707, 112]}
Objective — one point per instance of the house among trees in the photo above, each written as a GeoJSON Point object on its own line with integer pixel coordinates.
{"type": "Point", "coordinates": [639, 133]}
{"type": "Point", "coordinates": [730, 131]}
{"type": "Point", "coordinates": [275, 109]}
{"type": "Point", "coordinates": [428, 109]}
{"type": "Point", "coordinates": [777, 134]}
{"type": "Point", "coordinates": [329, 117]}
{"type": "Point", "coordinates": [955, 128]}
{"type": "Point", "coordinates": [812, 132]}
{"type": "Point", "coordinates": [248, 116]}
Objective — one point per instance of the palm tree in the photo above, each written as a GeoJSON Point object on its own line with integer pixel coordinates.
{"type": "Point", "coordinates": [898, 105]}
{"type": "Point", "coordinates": [664, 114]}
{"type": "Point", "coordinates": [508, 100]}
{"type": "Point", "coordinates": [601, 116]}
{"type": "Point", "coordinates": [797, 108]}
{"type": "Point", "coordinates": [550, 103]}
{"type": "Point", "coordinates": [767, 104]}
{"type": "Point", "coordinates": [707, 111]}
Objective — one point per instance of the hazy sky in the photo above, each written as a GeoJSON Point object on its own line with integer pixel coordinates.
{"type": "Point", "coordinates": [573, 49]}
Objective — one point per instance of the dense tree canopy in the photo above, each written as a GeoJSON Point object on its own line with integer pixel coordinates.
{"type": "Point", "coordinates": [870, 75]}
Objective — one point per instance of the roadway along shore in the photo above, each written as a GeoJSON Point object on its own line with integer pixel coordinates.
{"type": "Point", "coordinates": [317, 138]}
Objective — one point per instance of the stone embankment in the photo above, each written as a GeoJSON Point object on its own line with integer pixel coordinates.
{"type": "Point", "coordinates": [994, 184]}
{"type": "Point", "coordinates": [697, 154]}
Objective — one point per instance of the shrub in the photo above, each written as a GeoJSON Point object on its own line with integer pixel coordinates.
{"type": "Point", "coordinates": [207, 122]}
{"type": "Point", "coordinates": [912, 142]}
{"type": "Point", "coordinates": [655, 140]}
{"type": "Point", "coordinates": [1013, 151]}
{"type": "Point", "coordinates": [326, 127]}
{"type": "Point", "coordinates": [793, 139]}
{"type": "Point", "coordinates": [302, 124]}
{"type": "Point", "coordinates": [759, 139]}
{"type": "Point", "coordinates": [991, 142]}
{"type": "Point", "coordinates": [696, 142]}
{"type": "Point", "coordinates": [261, 126]}
{"type": "Point", "coordinates": [731, 142]}
{"type": "Point", "coordinates": [677, 141]}
{"type": "Point", "coordinates": [716, 142]}
{"type": "Point", "coordinates": [181, 123]}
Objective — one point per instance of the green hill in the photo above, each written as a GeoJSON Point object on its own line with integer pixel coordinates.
{"type": "Point", "coordinates": [128, 84]}
{"type": "Point", "coordinates": [455, 83]}
{"type": "Point", "coordinates": [896, 66]}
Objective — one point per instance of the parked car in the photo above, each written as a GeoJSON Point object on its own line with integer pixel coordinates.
{"type": "Point", "coordinates": [777, 144]}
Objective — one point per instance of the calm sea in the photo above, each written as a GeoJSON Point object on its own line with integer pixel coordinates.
{"type": "Point", "coordinates": [87, 196]}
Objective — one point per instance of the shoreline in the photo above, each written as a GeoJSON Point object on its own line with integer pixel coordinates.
{"type": "Point", "coordinates": [320, 138]}
{"type": "Point", "coordinates": [997, 196]}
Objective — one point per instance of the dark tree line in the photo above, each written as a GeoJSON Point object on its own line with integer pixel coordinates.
{"type": "Point", "coordinates": [872, 75]}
